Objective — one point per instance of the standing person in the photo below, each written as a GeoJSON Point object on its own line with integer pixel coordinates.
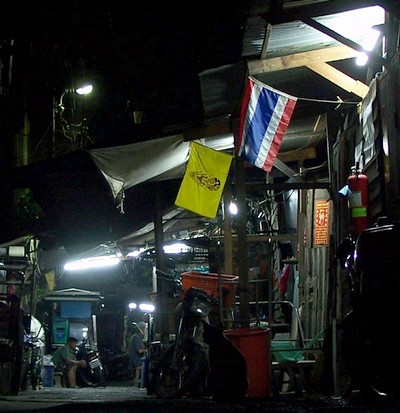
{"type": "Point", "coordinates": [283, 288]}
{"type": "Point", "coordinates": [64, 360]}
{"type": "Point", "coordinates": [136, 352]}
{"type": "Point", "coordinates": [264, 274]}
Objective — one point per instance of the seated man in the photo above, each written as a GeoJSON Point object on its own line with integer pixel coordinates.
{"type": "Point", "coordinates": [64, 360]}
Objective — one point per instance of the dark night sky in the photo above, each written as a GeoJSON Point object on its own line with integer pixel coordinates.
{"type": "Point", "coordinates": [147, 53]}
{"type": "Point", "coordinates": [141, 54]}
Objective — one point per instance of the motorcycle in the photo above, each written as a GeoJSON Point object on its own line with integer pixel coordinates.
{"type": "Point", "coordinates": [369, 266]}
{"type": "Point", "coordinates": [93, 373]}
{"type": "Point", "coordinates": [201, 361]}
{"type": "Point", "coordinates": [115, 364]}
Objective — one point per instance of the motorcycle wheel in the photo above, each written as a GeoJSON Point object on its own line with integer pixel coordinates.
{"type": "Point", "coordinates": [99, 377]}
{"type": "Point", "coordinates": [170, 380]}
{"type": "Point", "coordinates": [106, 373]}
{"type": "Point", "coordinates": [362, 355]}
{"type": "Point", "coordinates": [168, 383]}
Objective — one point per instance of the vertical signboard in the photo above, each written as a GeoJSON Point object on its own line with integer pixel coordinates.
{"type": "Point", "coordinates": [321, 224]}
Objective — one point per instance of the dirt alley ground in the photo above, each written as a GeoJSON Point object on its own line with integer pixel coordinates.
{"type": "Point", "coordinates": [123, 397]}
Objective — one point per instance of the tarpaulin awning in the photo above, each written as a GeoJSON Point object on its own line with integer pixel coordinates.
{"type": "Point", "coordinates": [126, 166]}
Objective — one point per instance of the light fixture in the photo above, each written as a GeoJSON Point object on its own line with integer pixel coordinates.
{"type": "Point", "coordinates": [177, 248]}
{"type": "Point", "coordinates": [93, 262]}
{"type": "Point", "coordinates": [134, 254]}
{"type": "Point", "coordinates": [368, 45]}
{"type": "Point", "coordinates": [147, 308]}
{"type": "Point", "coordinates": [233, 208]}
{"type": "Point", "coordinates": [357, 25]}
{"type": "Point", "coordinates": [84, 90]}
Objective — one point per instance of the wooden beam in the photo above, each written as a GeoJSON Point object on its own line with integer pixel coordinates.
{"type": "Point", "coordinates": [286, 186]}
{"type": "Point", "coordinates": [281, 166]}
{"type": "Point", "coordinates": [220, 126]}
{"type": "Point", "coordinates": [320, 124]}
{"type": "Point", "coordinates": [265, 42]}
{"type": "Point", "coordinates": [261, 237]}
{"type": "Point", "coordinates": [327, 54]}
{"type": "Point", "coordinates": [297, 155]}
{"type": "Point", "coordinates": [341, 79]}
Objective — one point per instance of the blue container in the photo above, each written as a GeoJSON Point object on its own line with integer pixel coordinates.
{"type": "Point", "coordinates": [145, 372]}
{"type": "Point", "coordinates": [48, 376]}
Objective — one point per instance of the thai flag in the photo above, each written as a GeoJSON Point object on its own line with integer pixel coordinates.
{"type": "Point", "coordinates": [264, 118]}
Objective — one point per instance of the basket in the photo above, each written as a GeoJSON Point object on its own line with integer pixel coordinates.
{"type": "Point", "coordinates": [208, 282]}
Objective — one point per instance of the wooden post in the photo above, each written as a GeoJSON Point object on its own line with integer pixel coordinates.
{"type": "Point", "coordinates": [243, 288]}
{"type": "Point", "coordinates": [228, 244]}
{"type": "Point", "coordinates": [162, 302]}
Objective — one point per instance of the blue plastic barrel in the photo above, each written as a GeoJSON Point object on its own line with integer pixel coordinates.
{"type": "Point", "coordinates": [48, 376]}
{"type": "Point", "coordinates": [145, 372]}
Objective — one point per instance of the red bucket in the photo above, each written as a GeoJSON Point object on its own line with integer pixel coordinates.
{"type": "Point", "coordinates": [254, 343]}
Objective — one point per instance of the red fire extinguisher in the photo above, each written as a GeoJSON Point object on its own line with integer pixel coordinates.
{"type": "Point", "coordinates": [358, 201]}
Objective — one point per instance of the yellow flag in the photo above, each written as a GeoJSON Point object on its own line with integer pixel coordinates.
{"type": "Point", "coordinates": [204, 180]}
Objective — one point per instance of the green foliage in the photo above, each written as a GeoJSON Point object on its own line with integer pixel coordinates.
{"type": "Point", "coordinates": [27, 210]}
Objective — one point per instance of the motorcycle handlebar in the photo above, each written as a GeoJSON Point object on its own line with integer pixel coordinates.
{"type": "Point", "coordinates": [199, 293]}
{"type": "Point", "coordinates": [164, 275]}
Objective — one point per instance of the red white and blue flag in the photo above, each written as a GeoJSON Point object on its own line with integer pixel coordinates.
{"type": "Point", "coordinates": [264, 118]}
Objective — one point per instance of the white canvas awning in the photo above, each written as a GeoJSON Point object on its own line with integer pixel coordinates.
{"type": "Point", "coordinates": [129, 165]}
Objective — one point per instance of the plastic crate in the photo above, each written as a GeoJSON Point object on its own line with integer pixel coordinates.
{"type": "Point", "coordinates": [208, 282]}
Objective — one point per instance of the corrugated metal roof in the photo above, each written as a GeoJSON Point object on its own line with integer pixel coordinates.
{"type": "Point", "coordinates": [221, 87]}
{"type": "Point", "coordinates": [296, 36]}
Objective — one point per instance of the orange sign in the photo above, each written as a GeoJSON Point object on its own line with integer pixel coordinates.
{"type": "Point", "coordinates": [321, 224]}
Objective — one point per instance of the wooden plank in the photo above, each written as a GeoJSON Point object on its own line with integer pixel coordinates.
{"type": "Point", "coordinates": [327, 54]}
{"type": "Point", "coordinates": [286, 186]}
{"type": "Point", "coordinates": [265, 42]}
{"type": "Point", "coordinates": [221, 126]}
{"type": "Point", "coordinates": [261, 237]}
{"type": "Point", "coordinates": [298, 155]}
{"type": "Point", "coordinates": [341, 79]}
